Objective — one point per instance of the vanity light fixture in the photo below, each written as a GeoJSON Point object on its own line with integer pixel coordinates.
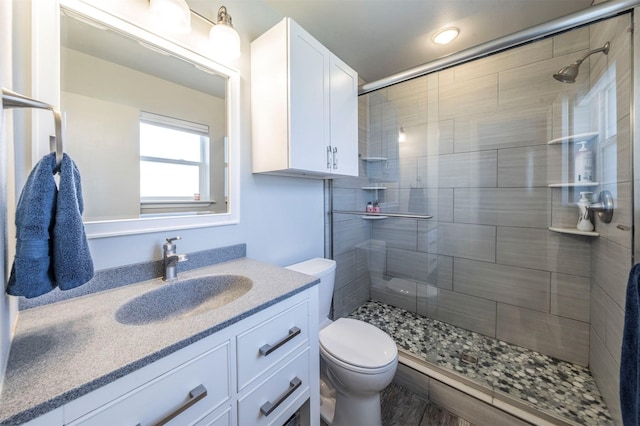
{"type": "Point", "coordinates": [172, 15]}
{"type": "Point", "coordinates": [402, 136]}
{"type": "Point", "coordinates": [225, 38]}
{"type": "Point", "coordinates": [446, 35]}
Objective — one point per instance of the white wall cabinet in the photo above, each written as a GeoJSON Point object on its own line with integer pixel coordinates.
{"type": "Point", "coordinates": [304, 103]}
{"type": "Point", "coordinates": [258, 371]}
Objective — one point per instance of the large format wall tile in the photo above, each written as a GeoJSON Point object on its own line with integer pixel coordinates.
{"type": "Point", "coordinates": [513, 58]}
{"type": "Point", "coordinates": [570, 296]}
{"type": "Point", "coordinates": [346, 299]}
{"type": "Point", "coordinates": [470, 169]}
{"type": "Point", "coordinates": [529, 167]}
{"type": "Point", "coordinates": [533, 85]}
{"type": "Point", "coordinates": [398, 233]}
{"type": "Point", "coordinates": [528, 208]}
{"type": "Point", "coordinates": [606, 371]}
{"type": "Point", "coordinates": [610, 265]}
{"type": "Point", "coordinates": [457, 99]}
{"type": "Point", "coordinates": [349, 233]}
{"type": "Point", "coordinates": [472, 313]}
{"type": "Point", "coordinates": [544, 250]}
{"type": "Point", "coordinates": [527, 288]}
{"type": "Point", "coordinates": [408, 264]}
{"type": "Point", "coordinates": [504, 129]}
{"type": "Point", "coordinates": [467, 241]}
{"type": "Point", "coordinates": [562, 338]}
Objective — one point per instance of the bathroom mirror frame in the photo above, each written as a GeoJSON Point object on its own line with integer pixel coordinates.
{"type": "Point", "coordinates": [46, 66]}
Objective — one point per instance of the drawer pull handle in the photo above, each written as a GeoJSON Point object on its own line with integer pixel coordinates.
{"type": "Point", "coordinates": [195, 395]}
{"type": "Point", "coordinates": [267, 349]}
{"type": "Point", "coordinates": [267, 408]}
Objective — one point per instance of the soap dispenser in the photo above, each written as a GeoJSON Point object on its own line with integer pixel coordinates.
{"type": "Point", "coordinates": [584, 222]}
{"type": "Point", "coordinates": [583, 164]}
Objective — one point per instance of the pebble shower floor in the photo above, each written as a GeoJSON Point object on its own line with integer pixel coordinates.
{"type": "Point", "coordinates": [548, 384]}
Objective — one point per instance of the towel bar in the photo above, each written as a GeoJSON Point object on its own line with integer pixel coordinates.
{"type": "Point", "coordinates": [12, 99]}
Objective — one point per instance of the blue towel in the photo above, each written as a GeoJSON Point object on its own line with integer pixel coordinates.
{"type": "Point", "coordinates": [52, 248]}
{"type": "Point", "coordinates": [72, 263]}
{"type": "Point", "coordinates": [630, 355]}
{"type": "Point", "coordinates": [31, 273]}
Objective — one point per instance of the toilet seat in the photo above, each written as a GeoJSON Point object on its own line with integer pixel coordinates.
{"type": "Point", "coordinates": [358, 346]}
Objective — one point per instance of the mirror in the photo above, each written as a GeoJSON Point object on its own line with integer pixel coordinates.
{"type": "Point", "coordinates": [149, 126]}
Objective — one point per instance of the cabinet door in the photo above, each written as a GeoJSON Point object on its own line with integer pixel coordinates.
{"type": "Point", "coordinates": [308, 102]}
{"type": "Point", "coordinates": [344, 118]}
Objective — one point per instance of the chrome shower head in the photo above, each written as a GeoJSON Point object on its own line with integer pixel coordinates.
{"type": "Point", "coordinates": [569, 73]}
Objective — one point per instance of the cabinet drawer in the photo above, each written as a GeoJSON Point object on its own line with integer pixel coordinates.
{"type": "Point", "coordinates": [263, 346]}
{"type": "Point", "coordinates": [274, 398]}
{"type": "Point", "coordinates": [217, 419]}
{"type": "Point", "coordinates": [193, 389]}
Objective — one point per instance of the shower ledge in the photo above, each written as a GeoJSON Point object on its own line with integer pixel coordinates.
{"type": "Point", "coordinates": [574, 231]}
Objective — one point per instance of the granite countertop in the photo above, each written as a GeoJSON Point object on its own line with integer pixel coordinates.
{"type": "Point", "coordinates": [64, 350]}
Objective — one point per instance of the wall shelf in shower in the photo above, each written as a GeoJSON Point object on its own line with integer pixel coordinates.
{"type": "Point", "coordinates": [372, 217]}
{"type": "Point", "coordinates": [574, 185]}
{"type": "Point", "coordinates": [374, 187]}
{"type": "Point", "coordinates": [573, 231]}
{"type": "Point", "coordinates": [386, 215]}
{"type": "Point", "coordinates": [374, 158]}
{"type": "Point", "coordinates": [580, 137]}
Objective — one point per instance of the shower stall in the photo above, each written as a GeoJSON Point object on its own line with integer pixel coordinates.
{"type": "Point", "coordinates": [475, 263]}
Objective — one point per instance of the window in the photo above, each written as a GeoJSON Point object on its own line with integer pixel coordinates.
{"type": "Point", "coordinates": [174, 158]}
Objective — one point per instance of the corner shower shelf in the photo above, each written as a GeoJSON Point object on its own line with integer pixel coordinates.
{"type": "Point", "coordinates": [374, 158]}
{"type": "Point", "coordinates": [573, 184]}
{"type": "Point", "coordinates": [573, 231]}
{"type": "Point", "coordinates": [574, 138]}
{"type": "Point", "coordinates": [372, 217]}
{"type": "Point", "coordinates": [374, 187]}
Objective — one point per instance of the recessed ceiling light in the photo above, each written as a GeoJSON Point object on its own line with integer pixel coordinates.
{"type": "Point", "coordinates": [446, 35]}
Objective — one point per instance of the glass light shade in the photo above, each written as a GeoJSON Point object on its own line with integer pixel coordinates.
{"type": "Point", "coordinates": [171, 15]}
{"type": "Point", "coordinates": [225, 40]}
{"type": "Point", "coordinates": [402, 136]}
{"type": "Point", "coordinates": [446, 35]}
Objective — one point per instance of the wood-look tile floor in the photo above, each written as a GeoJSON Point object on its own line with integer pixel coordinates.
{"type": "Point", "coordinates": [401, 407]}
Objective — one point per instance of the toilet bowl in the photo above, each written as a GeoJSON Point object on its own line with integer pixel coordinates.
{"type": "Point", "coordinates": [358, 360]}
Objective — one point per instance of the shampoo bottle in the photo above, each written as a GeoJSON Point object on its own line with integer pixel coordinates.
{"type": "Point", "coordinates": [584, 221]}
{"type": "Point", "coordinates": [583, 164]}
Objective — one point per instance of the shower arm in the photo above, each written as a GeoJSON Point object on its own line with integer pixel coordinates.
{"type": "Point", "coordinates": [604, 49]}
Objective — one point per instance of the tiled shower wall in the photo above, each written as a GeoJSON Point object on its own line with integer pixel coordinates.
{"type": "Point", "coordinates": [476, 158]}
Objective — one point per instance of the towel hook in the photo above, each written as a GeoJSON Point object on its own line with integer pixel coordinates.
{"type": "Point", "coordinates": [12, 99]}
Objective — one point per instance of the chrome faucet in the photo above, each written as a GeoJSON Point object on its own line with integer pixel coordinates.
{"type": "Point", "coordinates": [171, 259]}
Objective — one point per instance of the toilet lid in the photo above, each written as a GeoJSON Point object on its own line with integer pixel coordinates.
{"type": "Point", "coordinates": [358, 343]}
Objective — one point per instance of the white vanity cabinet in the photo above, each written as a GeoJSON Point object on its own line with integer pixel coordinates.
{"type": "Point", "coordinates": [304, 106]}
{"type": "Point", "coordinates": [258, 371]}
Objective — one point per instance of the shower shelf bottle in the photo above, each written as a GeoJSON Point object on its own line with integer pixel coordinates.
{"type": "Point", "coordinates": [583, 164]}
{"type": "Point", "coordinates": [584, 221]}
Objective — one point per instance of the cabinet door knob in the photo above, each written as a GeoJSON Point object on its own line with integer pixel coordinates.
{"type": "Point", "coordinates": [268, 407]}
{"type": "Point", "coordinates": [195, 395]}
{"type": "Point", "coordinates": [267, 349]}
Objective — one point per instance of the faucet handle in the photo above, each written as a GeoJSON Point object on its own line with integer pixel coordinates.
{"type": "Point", "coordinates": [171, 240]}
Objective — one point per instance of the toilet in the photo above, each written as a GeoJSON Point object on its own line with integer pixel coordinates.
{"type": "Point", "coordinates": [357, 359]}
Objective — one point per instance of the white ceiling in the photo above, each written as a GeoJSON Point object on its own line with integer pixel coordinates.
{"type": "Point", "coordinates": [379, 38]}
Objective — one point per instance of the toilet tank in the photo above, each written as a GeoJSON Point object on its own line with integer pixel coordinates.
{"type": "Point", "coordinates": [325, 269]}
